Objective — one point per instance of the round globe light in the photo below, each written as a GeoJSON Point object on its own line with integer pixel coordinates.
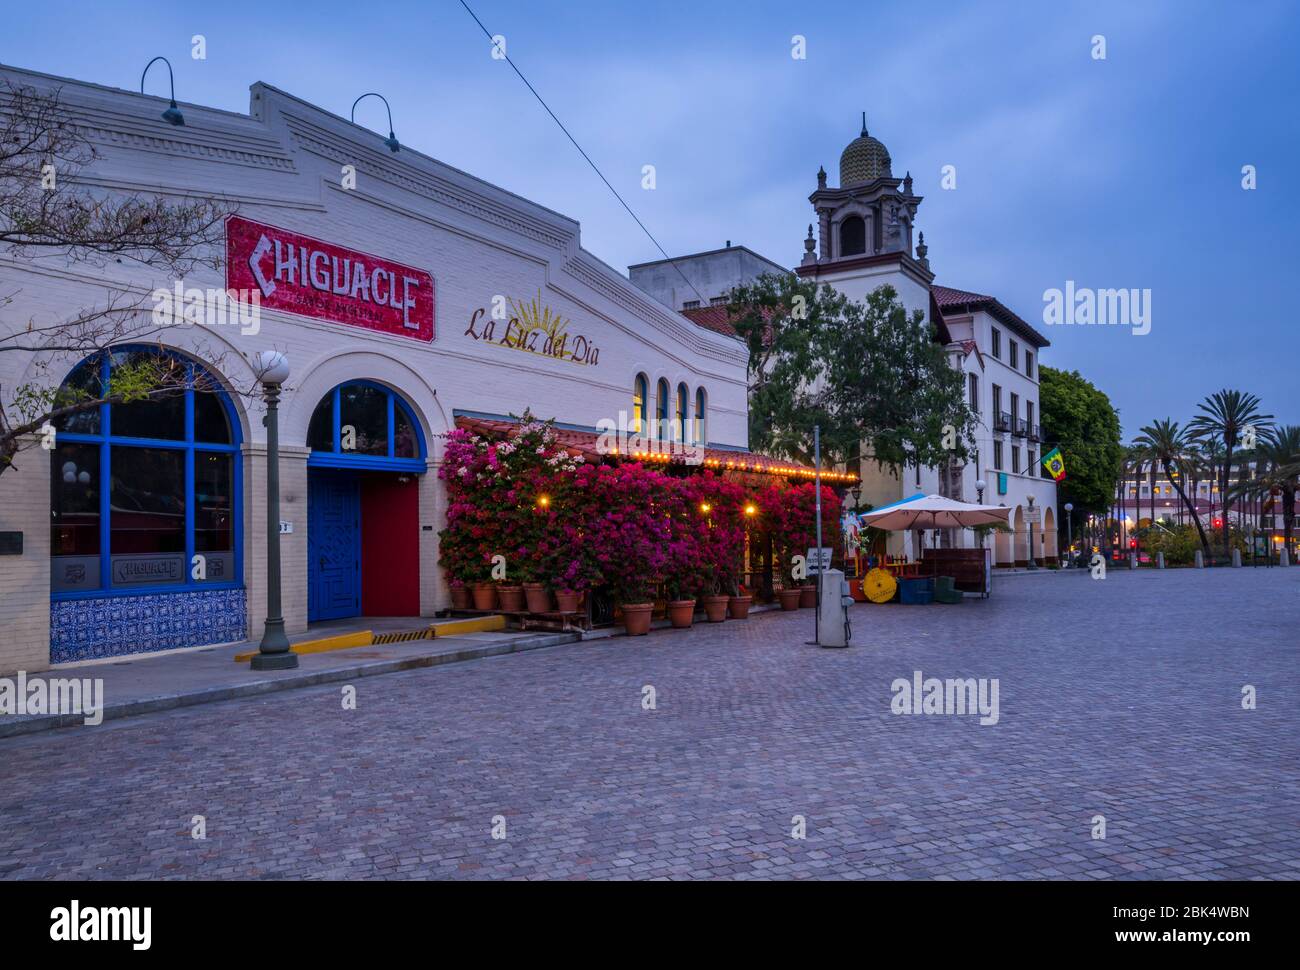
{"type": "Point", "coordinates": [272, 367]}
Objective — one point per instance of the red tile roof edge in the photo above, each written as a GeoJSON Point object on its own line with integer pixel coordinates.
{"type": "Point", "coordinates": [583, 443]}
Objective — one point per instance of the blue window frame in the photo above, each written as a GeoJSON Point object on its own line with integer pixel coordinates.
{"type": "Point", "coordinates": [138, 489]}
{"type": "Point", "coordinates": [365, 425]}
{"type": "Point", "coordinates": [640, 403]}
{"type": "Point", "coordinates": [662, 426]}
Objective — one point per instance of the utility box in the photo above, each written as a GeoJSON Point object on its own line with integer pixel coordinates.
{"type": "Point", "coordinates": [832, 613]}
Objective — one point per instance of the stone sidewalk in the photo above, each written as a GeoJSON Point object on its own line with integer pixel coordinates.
{"type": "Point", "coordinates": [147, 684]}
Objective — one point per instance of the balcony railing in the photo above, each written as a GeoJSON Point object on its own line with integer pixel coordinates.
{"type": "Point", "coordinates": [1036, 432]}
{"type": "Point", "coordinates": [1002, 422]}
{"type": "Point", "coordinates": [1021, 430]}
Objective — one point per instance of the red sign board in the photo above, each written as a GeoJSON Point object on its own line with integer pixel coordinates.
{"type": "Point", "coordinates": [312, 278]}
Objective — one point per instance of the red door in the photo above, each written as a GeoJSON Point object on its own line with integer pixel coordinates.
{"type": "Point", "coordinates": [390, 545]}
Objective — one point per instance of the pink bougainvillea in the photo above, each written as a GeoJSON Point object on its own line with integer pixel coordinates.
{"type": "Point", "coordinates": [625, 526]}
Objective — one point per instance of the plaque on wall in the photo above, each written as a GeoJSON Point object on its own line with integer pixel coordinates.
{"type": "Point", "coordinates": [148, 570]}
{"type": "Point", "coordinates": [11, 543]}
{"type": "Point", "coordinates": [73, 573]}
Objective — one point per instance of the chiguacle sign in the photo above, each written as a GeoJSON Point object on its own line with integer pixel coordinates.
{"type": "Point", "coordinates": [298, 274]}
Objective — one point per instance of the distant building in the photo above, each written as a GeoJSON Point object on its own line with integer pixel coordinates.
{"type": "Point", "coordinates": [702, 279]}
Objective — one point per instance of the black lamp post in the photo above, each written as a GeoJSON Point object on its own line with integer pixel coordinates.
{"type": "Point", "coordinates": [173, 114]}
{"type": "Point", "coordinates": [391, 141]}
{"type": "Point", "coordinates": [274, 652]}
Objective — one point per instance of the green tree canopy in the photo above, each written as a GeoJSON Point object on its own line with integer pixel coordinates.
{"type": "Point", "coordinates": [1080, 420]}
{"type": "Point", "coordinates": [869, 373]}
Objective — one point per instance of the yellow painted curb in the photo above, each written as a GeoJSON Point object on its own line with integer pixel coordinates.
{"type": "Point", "coordinates": [477, 624]}
{"type": "Point", "coordinates": [343, 641]}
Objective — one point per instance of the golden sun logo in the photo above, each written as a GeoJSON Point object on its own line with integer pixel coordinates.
{"type": "Point", "coordinates": [535, 317]}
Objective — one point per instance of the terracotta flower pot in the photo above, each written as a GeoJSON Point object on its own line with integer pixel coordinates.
{"type": "Point", "coordinates": [636, 618]}
{"type": "Point", "coordinates": [460, 597]}
{"type": "Point", "coordinates": [738, 607]}
{"type": "Point", "coordinates": [567, 600]}
{"type": "Point", "coordinates": [790, 597]}
{"type": "Point", "coordinates": [537, 598]}
{"type": "Point", "coordinates": [512, 598]}
{"type": "Point", "coordinates": [808, 598]}
{"type": "Point", "coordinates": [715, 608]}
{"type": "Point", "coordinates": [484, 595]}
{"type": "Point", "coordinates": [681, 613]}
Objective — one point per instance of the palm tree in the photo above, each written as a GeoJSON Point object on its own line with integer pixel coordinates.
{"type": "Point", "coordinates": [1165, 442]}
{"type": "Point", "coordinates": [1277, 467]}
{"type": "Point", "coordinates": [1225, 415]}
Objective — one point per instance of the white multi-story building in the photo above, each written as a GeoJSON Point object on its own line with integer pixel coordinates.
{"type": "Point", "coordinates": [863, 239]}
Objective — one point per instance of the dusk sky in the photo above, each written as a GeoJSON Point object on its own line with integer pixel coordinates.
{"type": "Point", "coordinates": [1123, 172]}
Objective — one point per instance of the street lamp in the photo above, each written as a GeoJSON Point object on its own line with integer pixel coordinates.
{"type": "Point", "coordinates": [391, 141]}
{"type": "Point", "coordinates": [1032, 564]}
{"type": "Point", "coordinates": [273, 653]}
{"type": "Point", "coordinates": [173, 114]}
{"type": "Point", "coordinates": [980, 485]}
{"type": "Point", "coordinates": [1069, 530]}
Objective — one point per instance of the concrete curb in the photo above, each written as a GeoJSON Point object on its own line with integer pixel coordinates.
{"type": "Point", "coordinates": [166, 702]}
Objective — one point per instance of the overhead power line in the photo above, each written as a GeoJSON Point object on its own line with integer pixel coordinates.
{"type": "Point", "coordinates": [594, 167]}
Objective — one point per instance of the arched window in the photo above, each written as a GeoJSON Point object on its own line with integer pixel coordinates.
{"type": "Point", "coordinates": [701, 416]}
{"type": "Point", "coordinates": [362, 424]}
{"type": "Point", "coordinates": [139, 491]}
{"type": "Point", "coordinates": [640, 392]}
{"type": "Point", "coordinates": [661, 410]}
{"type": "Point", "coordinates": [683, 397]}
{"type": "Point", "coordinates": [853, 236]}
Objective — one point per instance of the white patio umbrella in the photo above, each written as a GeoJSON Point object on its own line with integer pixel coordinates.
{"type": "Point", "coordinates": [934, 512]}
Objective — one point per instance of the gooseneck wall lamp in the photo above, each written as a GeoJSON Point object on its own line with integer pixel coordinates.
{"type": "Point", "coordinates": [173, 114]}
{"type": "Point", "coordinates": [391, 141]}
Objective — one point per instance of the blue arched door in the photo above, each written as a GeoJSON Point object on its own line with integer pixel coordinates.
{"type": "Point", "coordinates": [364, 439]}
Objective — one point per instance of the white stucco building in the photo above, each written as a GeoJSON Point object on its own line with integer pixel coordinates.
{"type": "Point", "coordinates": [396, 295]}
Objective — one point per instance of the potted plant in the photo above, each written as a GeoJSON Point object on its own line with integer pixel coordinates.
{"type": "Point", "coordinates": [681, 604]}
{"type": "Point", "coordinates": [789, 597]}
{"type": "Point", "coordinates": [627, 540]}
{"type": "Point", "coordinates": [738, 602]}
{"type": "Point", "coordinates": [808, 596]}
{"type": "Point", "coordinates": [714, 601]}
{"type": "Point", "coordinates": [511, 596]}
{"type": "Point", "coordinates": [460, 597]}
{"type": "Point", "coordinates": [567, 559]}
{"type": "Point", "coordinates": [484, 595]}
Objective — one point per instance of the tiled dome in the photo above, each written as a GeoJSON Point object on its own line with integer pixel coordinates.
{"type": "Point", "coordinates": [864, 160]}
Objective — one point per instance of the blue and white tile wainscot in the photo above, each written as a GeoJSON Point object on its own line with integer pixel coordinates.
{"type": "Point", "coordinates": [114, 626]}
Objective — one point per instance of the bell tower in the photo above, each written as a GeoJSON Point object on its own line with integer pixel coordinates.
{"type": "Point", "coordinates": [864, 227]}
